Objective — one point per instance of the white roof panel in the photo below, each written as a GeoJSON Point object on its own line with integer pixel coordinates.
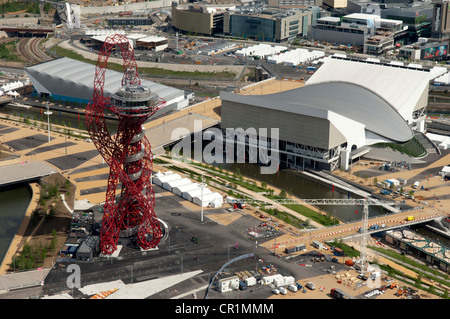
{"type": "Point", "coordinates": [400, 86]}
{"type": "Point", "coordinates": [73, 78]}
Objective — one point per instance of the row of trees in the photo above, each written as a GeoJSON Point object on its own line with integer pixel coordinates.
{"type": "Point", "coordinates": [33, 256]}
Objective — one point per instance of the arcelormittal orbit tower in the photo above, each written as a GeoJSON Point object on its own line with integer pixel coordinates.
{"type": "Point", "coordinates": [130, 209]}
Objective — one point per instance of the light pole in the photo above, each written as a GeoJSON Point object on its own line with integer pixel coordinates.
{"type": "Point", "coordinates": [65, 137]}
{"type": "Point", "coordinates": [202, 184]}
{"type": "Point", "coordinates": [48, 113]}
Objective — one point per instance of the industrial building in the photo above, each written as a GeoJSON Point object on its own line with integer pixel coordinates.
{"type": "Point", "coordinates": [70, 80]}
{"type": "Point", "coordinates": [344, 107]}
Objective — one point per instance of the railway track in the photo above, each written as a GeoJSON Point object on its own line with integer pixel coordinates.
{"type": "Point", "coordinates": [29, 49]}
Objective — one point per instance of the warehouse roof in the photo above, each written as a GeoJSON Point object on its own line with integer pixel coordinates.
{"type": "Point", "coordinates": [343, 104]}
{"type": "Point", "coordinates": [69, 77]}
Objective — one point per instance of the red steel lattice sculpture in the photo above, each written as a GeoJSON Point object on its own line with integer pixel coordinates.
{"type": "Point", "coordinates": [128, 152]}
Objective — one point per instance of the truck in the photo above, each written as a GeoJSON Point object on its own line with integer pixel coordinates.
{"type": "Point", "coordinates": [339, 294]}
{"type": "Point", "coordinates": [311, 70]}
{"type": "Point", "coordinates": [338, 251]}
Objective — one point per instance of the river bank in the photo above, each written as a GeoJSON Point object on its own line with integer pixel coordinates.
{"type": "Point", "coordinates": [16, 242]}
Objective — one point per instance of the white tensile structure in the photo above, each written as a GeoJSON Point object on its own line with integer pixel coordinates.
{"type": "Point", "coordinates": [261, 50]}
{"type": "Point", "coordinates": [160, 179]}
{"type": "Point", "coordinates": [295, 57]}
{"type": "Point", "coordinates": [169, 185]}
{"type": "Point", "coordinates": [185, 188]}
{"type": "Point", "coordinates": [211, 199]}
{"type": "Point", "coordinates": [179, 189]}
{"type": "Point", "coordinates": [190, 195]}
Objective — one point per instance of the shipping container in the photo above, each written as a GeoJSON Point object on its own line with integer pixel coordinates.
{"type": "Point", "coordinates": [338, 251]}
{"type": "Point", "coordinates": [290, 250]}
{"type": "Point", "coordinates": [317, 244]}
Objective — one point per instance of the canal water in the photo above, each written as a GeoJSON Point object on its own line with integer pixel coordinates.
{"type": "Point", "coordinates": [14, 201]}
{"type": "Point", "coordinates": [305, 188]}
{"type": "Point", "coordinates": [71, 120]}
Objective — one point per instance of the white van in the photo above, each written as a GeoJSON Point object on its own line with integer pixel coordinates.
{"type": "Point", "coordinates": [416, 184]}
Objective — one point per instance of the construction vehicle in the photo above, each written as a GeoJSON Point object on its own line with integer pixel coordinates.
{"type": "Point", "coordinates": [410, 218]}
{"type": "Point", "coordinates": [389, 286]}
{"type": "Point", "coordinates": [339, 294]}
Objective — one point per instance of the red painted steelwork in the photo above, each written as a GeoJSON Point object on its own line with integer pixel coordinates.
{"type": "Point", "coordinates": [133, 210]}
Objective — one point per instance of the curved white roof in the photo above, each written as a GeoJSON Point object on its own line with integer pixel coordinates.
{"type": "Point", "coordinates": [404, 88]}
{"type": "Point", "coordinates": [69, 77]}
{"type": "Point", "coordinates": [353, 109]}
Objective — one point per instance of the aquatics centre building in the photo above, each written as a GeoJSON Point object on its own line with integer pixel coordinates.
{"type": "Point", "coordinates": [344, 107]}
{"type": "Point", "coordinates": [71, 80]}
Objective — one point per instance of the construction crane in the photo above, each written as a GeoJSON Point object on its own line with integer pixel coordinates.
{"type": "Point", "coordinates": [365, 202]}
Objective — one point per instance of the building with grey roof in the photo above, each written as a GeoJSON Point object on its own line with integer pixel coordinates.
{"type": "Point", "coordinates": [344, 107]}
{"type": "Point", "coordinates": [72, 80]}
{"type": "Point", "coordinates": [88, 248]}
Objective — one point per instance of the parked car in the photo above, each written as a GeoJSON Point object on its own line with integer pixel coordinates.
{"type": "Point", "coordinates": [310, 285]}
{"type": "Point", "coordinates": [362, 277]}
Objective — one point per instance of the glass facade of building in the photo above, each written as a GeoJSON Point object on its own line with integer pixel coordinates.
{"type": "Point", "coordinates": [253, 27]}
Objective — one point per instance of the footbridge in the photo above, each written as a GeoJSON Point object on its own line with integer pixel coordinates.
{"type": "Point", "coordinates": [24, 172]}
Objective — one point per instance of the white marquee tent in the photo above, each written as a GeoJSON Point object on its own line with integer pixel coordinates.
{"type": "Point", "coordinates": [179, 189]}
{"type": "Point", "coordinates": [160, 179]}
{"type": "Point", "coordinates": [169, 185]}
{"type": "Point", "coordinates": [211, 199]}
{"type": "Point", "coordinates": [189, 195]}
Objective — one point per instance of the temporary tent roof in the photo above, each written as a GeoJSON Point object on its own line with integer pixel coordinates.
{"type": "Point", "coordinates": [159, 180]}
{"type": "Point", "coordinates": [178, 190]}
{"type": "Point", "coordinates": [445, 171]}
{"type": "Point", "coordinates": [207, 199]}
{"type": "Point", "coordinates": [169, 185]}
{"type": "Point", "coordinates": [189, 195]}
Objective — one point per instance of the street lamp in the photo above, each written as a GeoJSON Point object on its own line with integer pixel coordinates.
{"type": "Point", "coordinates": [48, 113]}
{"type": "Point", "coordinates": [202, 185]}
{"type": "Point", "coordinates": [65, 137]}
